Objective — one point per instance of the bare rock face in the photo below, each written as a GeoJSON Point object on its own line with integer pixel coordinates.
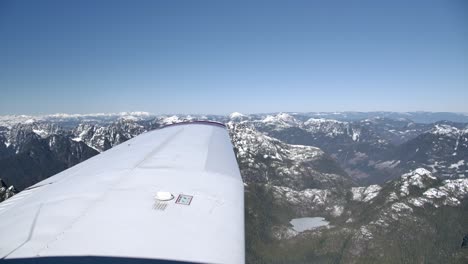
{"type": "Point", "coordinates": [263, 159]}
{"type": "Point", "coordinates": [5, 191]}
{"type": "Point", "coordinates": [465, 241]}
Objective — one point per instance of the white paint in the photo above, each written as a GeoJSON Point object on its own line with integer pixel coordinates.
{"type": "Point", "coordinates": [104, 206]}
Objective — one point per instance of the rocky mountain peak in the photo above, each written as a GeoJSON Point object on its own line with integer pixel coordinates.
{"type": "Point", "coordinates": [267, 160]}
{"type": "Point", "coordinates": [234, 115]}
{"type": "Point", "coordinates": [448, 130]}
{"type": "Point", "coordinates": [330, 128]}
{"type": "Point", "coordinates": [282, 119]}
{"type": "Point", "coordinates": [420, 178]}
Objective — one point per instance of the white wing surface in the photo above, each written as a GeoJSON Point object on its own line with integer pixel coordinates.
{"type": "Point", "coordinates": [113, 208]}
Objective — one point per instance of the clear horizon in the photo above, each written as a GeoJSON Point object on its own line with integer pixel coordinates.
{"type": "Point", "coordinates": [219, 57]}
{"type": "Point", "coordinates": [223, 114]}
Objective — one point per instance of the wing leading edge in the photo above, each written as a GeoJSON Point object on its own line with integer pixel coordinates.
{"type": "Point", "coordinates": [107, 207]}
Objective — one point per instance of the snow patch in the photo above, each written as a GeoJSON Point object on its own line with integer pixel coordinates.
{"type": "Point", "coordinates": [171, 120]}
{"type": "Point", "coordinates": [281, 119]}
{"type": "Point", "coordinates": [401, 207]}
{"type": "Point", "coordinates": [445, 130]}
{"type": "Point", "coordinates": [365, 233]}
{"type": "Point", "coordinates": [457, 165]}
{"type": "Point", "coordinates": [331, 128]}
{"type": "Point", "coordinates": [419, 201]}
{"type": "Point", "coordinates": [435, 193]}
{"type": "Point", "coordinates": [387, 164]}
{"type": "Point", "coordinates": [415, 178]}
{"type": "Point", "coordinates": [314, 196]}
{"type": "Point", "coordinates": [337, 210]}
{"type": "Point", "coordinates": [236, 115]}
{"type": "Point", "coordinates": [41, 133]}
{"type": "Point", "coordinates": [356, 135]}
{"type": "Point", "coordinates": [365, 194]}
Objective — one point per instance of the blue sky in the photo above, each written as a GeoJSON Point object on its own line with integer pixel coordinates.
{"type": "Point", "coordinates": [219, 56]}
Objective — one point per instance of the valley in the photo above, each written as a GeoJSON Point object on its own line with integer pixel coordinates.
{"type": "Point", "coordinates": [355, 188]}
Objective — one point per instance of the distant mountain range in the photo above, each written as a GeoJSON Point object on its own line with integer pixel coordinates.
{"type": "Point", "coordinates": [73, 119]}
{"type": "Point", "coordinates": [393, 186]}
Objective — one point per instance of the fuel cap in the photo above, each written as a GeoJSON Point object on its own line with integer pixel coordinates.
{"type": "Point", "coordinates": [164, 196]}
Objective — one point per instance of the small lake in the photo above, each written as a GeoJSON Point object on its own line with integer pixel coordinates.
{"type": "Point", "coordinates": [308, 223]}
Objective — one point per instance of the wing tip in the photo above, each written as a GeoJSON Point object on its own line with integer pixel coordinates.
{"type": "Point", "coordinates": [201, 122]}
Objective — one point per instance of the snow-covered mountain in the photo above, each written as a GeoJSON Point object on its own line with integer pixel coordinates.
{"type": "Point", "coordinates": [360, 147]}
{"type": "Point", "coordinates": [36, 150]}
{"type": "Point", "coordinates": [418, 117]}
{"type": "Point", "coordinates": [413, 217]}
{"type": "Point", "coordinates": [238, 117]}
{"type": "Point", "coordinates": [279, 121]}
{"type": "Point", "coordinates": [413, 212]}
{"type": "Point", "coordinates": [263, 159]}
{"type": "Point", "coordinates": [370, 150]}
{"type": "Point", "coordinates": [442, 149]}
{"type": "Point", "coordinates": [74, 119]}
{"type": "Point", "coordinates": [104, 137]}
{"type": "Point", "coordinates": [385, 186]}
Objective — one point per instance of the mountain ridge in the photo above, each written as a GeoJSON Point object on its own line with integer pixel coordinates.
{"type": "Point", "coordinates": [362, 176]}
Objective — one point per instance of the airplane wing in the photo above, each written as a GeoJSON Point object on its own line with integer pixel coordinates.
{"type": "Point", "coordinates": [172, 195]}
